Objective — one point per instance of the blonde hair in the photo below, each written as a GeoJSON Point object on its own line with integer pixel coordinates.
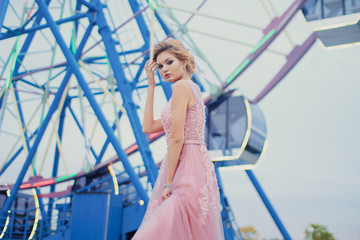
{"type": "Point", "coordinates": [176, 48]}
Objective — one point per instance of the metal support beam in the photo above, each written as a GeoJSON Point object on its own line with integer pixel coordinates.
{"type": "Point", "coordinates": [21, 31]}
{"type": "Point", "coordinates": [141, 23]}
{"type": "Point", "coordinates": [227, 216]}
{"type": "Point", "coordinates": [90, 97]}
{"type": "Point", "coordinates": [47, 119]}
{"type": "Point", "coordinates": [8, 163]}
{"type": "Point", "coordinates": [292, 59]}
{"type": "Point", "coordinates": [21, 55]}
{"type": "Point", "coordinates": [27, 43]}
{"type": "Point", "coordinates": [135, 7]}
{"type": "Point", "coordinates": [3, 7]}
{"type": "Point", "coordinates": [21, 115]}
{"type": "Point", "coordinates": [103, 149]}
{"type": "Point", "coordinates": [80, 128]}
{"type": "Point", "coordinates": [27, 142]}
{"type": "Point", "coordinates": [126, 93]}
{"type": "Point", "coordinates": [270, 33]}
{"type": "Point", "coordinates": [57, 155]}
{"type": "Point", "coordinates": [268, 205]}
{"type": "Point", "coordinates": [60, 132]}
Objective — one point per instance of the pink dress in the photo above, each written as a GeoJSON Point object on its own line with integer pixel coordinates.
{"type": "Point", "coordinates": [192, 212]}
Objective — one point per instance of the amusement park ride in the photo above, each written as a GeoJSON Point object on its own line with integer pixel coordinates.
{"type": "Point", "coordinates": [72, 85]}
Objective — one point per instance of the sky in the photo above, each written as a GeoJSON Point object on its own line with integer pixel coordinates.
{"type": "Point", "coordinates": [310, 170]}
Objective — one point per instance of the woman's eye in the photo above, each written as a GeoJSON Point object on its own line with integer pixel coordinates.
{"type": "Point", "coordinates": [160, 66]}
{"type": "Point", "coordinates": [170, 62]}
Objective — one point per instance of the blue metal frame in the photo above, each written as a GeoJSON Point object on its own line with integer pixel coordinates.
{"type": "Point", "coordinates": [15, 71]}
{"type": "Point", "coordinates": [27, 142]}
{"type": "Point", "coordinates": [80, 128]}
{"type": "Point", "coordinates": [106, 144]}
{"type": "Point", "coordinates": [83, 84]}
{"type": "Point", "coordinates": [27, 43]}
{"type": "Point", "coordinates": [52, 109]}
{"type": "Point", "coordinates": [3, 7]}
{"type": "Point", "coordinates": [146, 37]}
{"type": "Point", "coordinates": [33, 149]}
{"type": "Point", "coordinates": [73, 66]}
{"type": "Point", "coordinates": [21, 115]}
{"type": "Point", "coordinates": [57, 154]}
{"type": "Point", "coordinates": [21, 31]}
{"type": "Point", "coordinates": [60, 132]}
{"type": "Point", "coordinates": [125, 90]}
{"type": "Point", "coordinates": [229, 224]}
{"type": "Point", "coordinates": [9, 162]}
{"type": "Point", "coordinates": [268, 205]}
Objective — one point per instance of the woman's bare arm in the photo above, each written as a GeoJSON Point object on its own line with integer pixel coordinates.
{"type": "Point", "coordinates": [149, 124]}
{"type": "Point", "coordinates": [180, 99]}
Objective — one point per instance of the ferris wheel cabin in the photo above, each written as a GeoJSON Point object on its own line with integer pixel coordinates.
{"type": "Point", "coordinates": [335, 22]}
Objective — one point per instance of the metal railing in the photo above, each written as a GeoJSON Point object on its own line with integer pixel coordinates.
{"type": "Point", "coordinates": [29, 224]}
{"type": "Point", "coordinates": [36, 223]}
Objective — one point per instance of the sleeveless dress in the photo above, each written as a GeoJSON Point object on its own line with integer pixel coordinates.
{"type": "Point", "coordinates": [192, 212]}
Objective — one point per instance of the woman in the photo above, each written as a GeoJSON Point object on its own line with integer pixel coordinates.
{"type": "Point", "coordinates": [185, 204]}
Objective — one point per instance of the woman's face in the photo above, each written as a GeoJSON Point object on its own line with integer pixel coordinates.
{"type": "Point", "coordinates": [170, 67]}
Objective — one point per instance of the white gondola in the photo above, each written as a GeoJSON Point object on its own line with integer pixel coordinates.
{"type": "Point", "coordinates": [335, 22]}
{"type": "Point", "coordinates": [236, 132]}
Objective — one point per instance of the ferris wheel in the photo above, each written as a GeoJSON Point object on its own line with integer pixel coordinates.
{"type": "Point", "coordinates": [71, 99]}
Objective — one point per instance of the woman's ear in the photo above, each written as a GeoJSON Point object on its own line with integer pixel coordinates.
{"type": "Point", "coordinates": [184, 63]}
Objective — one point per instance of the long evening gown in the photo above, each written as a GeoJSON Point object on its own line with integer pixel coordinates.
{"type": "Point", "coordinates": [192, 212]}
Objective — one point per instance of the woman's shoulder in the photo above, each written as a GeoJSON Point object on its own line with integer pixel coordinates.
{"type": "Point", "coordinates": [182, 84]}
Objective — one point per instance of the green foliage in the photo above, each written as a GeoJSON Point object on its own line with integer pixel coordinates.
{"type": "Point", "coordinates": [318, 232]}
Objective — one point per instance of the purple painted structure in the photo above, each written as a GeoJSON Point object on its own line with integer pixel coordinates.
{"type": "Point", "coordinates": [292, 59]}
{"type": "Point", "coordinates": [277, 24]}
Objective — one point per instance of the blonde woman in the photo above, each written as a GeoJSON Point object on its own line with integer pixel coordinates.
{"type": "Point", "coordinates": [185, 203]}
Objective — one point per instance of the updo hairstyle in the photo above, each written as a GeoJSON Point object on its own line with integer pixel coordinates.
{"type": "Point", "coordinates": [176, 48]}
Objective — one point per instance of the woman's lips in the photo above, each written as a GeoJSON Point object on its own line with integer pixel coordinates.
{"type": "Point", "coordinates": [167, 75]}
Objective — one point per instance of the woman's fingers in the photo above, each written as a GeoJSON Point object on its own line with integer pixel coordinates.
{"type": "Point", "coordinates": [166, 193]}
{"type": "Point", "coordinates": [153, 66]}
{"type": "Point", "coordinates": [150, 67]}
{"type": "Point", "coordinates": [150, 64]}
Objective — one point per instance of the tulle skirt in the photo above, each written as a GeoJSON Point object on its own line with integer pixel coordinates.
{"type": "Point", "coordinates": [192, 212]}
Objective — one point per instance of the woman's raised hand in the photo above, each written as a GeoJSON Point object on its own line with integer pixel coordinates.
{"type": "Point", "coordinates": [150, 68]}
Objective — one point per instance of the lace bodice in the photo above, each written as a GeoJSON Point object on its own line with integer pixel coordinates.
{"type": "Point", "coordinates": [195, 117]}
